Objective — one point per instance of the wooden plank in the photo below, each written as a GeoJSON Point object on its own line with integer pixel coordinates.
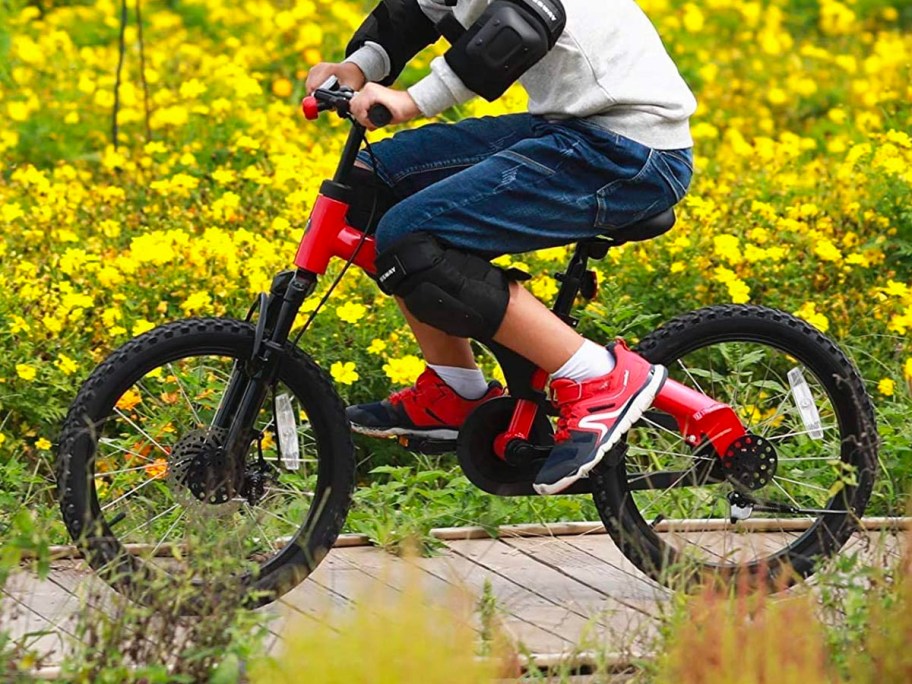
{"type": "Point", "coordinates": [538, 622]}
{"type": "Point", "coordinates": [874, 523]}
{"type": "Point", "coordinates": [585, 614]}
{"type": "Point", "coordinates": [443, 585]}
{"type": "Point", "coordinates": [596, 560]}
{"type": "Point", "coordinates": [627, 603]}
{"type": "Point", "coordinates": [524, 530]}
{"type": "Point", "coordinates": [45, 598]}
{"type": "Point", "coordinates": [28, 627]}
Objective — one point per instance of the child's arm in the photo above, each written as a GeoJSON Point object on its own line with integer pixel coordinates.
{"type": "Point", "coordinates": [392, 34]}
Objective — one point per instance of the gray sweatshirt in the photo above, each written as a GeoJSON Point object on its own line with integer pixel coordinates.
{"type": "Point", "coordinates": [608, 66]}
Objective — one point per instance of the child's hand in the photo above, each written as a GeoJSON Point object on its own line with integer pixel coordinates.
{"type": "Point", "coordinates": [348, 74]}
{"type": "Point", "coordinates": [399, 102]}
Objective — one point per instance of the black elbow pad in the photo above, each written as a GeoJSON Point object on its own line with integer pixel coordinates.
{"type": "Point", "coordinates": [508, 38]}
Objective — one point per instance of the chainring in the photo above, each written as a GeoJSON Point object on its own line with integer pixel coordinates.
{"type": "Point", "coordinates": [476, 455]}
{"type": "Point", "coordinates": [750, 462]}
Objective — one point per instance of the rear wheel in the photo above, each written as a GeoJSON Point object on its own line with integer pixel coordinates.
{"type": "Point", "coordinates": [142, 479]}
{"type": "Point", "coordinates": [792, 493]}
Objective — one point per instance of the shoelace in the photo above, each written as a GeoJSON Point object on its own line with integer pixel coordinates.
{"type": "Point", "coordinates": [567, 414]}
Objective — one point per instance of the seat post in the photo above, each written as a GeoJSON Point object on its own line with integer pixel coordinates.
{"type": "Point", "coordinates": [570, 281]}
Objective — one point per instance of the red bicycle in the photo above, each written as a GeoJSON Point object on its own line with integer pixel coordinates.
{"type": "Point", "coordinates": [756, 460]}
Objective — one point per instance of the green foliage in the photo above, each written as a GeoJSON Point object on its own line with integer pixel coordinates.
{"type": "Point", "coordinates": [400, 505]}
{"type": "Point", "coordinates": [174, 628]}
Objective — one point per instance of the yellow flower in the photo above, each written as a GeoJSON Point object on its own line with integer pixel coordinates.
{"type": "Point", "coordinates": [129, 400]}
{"type": "Point", "coordinates": [66, 365]}
{"type": "Point", "coordinates": [886, 387]}
{"type": "Point", "coordinates": [907, 369]}
{"type": "Point", "coordinates": [54, 325]}
{"type": "Point", "coordinates": [141, 326]}
{"type": "Point", "coordinates": [26, 372]}
{"type": "Point", "coordinates": [777, 96]}
{"type": "Point", "coordinates": [197, 302]}
{"type": "Point", "coordinates": [738, 291]}
{"type": "Point", "coordinates": [827, 251]}
{"type": "Point", "coordinates": [727, 247]}
{"type": "Point", "coordinates": [224, 176]}
{"type": "Point", "coordinates": [808, 312]}
{"type": "Point", "coordinates": [543, 287]}
{"type": "Point", "coordinates": [245, 142]}
{"type": "Point", "coordinates": [404, 371]}
{"type": "Point", "coordinates": [282, 87]}
{"type": "Point", "coordinates": [158, 468]}
{"type": "Point", "coordinates": [344, 372]}
{"type": "Point", "coordinates": [192, 89]}
{"type": "Point", "coordinates": [376, 346]}
{"type": "Point", "coordinates": [10, 212]}
{"type": "Point", "coordinates": [693, 18]}
{"type": "Point", "coordinates": [351, 312]}
{"type": "Point", "coordinates": [43, 444]}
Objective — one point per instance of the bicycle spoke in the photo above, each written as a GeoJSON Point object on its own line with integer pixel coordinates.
{"type": "Point", "coordinates": [150, 521]}
{"type": "Point", "coordinates": [180, 386]}
{"type": "Point", "coordinates": [799, 433]}
{"type": "Point", "coordinates": [664, 429]}
{"type": "Point", "coordinates": [808, 485]}
{"type": "Point", "coordinates": [146, 483]}
{"type": "Point", "coordinates": [140, 430]}
{"type": "Point", "coordinates": [789, 496]}
{"type": "Point", "coordinates": [168, 533]}
{"type": "Point", "coordinates": [692, 378]}
{"type": "Point", "coordinates": [108, 473]}
{"type": "Point", "coordinates": [259, 527]}
{"type": "Point", "coordinates": [106, 441]}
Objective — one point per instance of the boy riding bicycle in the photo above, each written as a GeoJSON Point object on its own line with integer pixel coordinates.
{"type": "Point", "coordinates": [606, 143]}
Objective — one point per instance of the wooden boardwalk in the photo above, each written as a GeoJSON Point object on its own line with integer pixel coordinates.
{"type": "Point", "coordinates": [559, 590]}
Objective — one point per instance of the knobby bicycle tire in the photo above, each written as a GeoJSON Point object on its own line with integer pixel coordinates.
{"type": "Point", "coordinates": [95, 404]}
{"type": "Point", "coordinates": [639, 538]}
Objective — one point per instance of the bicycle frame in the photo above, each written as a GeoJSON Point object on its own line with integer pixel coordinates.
{"type": "Point", "coordinates": [327, 236]}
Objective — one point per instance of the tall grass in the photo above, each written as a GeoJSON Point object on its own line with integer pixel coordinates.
{"type": "Point", "coordinates": [855, 628]}
{"type": "Point", "coordinates": [393, 638]}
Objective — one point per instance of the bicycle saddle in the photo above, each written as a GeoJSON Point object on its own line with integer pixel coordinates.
{"type": "Point", "coordinates": [641, 230]}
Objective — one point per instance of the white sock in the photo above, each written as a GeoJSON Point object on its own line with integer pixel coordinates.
{"type": "Point", "coordinates": [590, 361]}
{"type": "Point", "coordinates": [468, 383]}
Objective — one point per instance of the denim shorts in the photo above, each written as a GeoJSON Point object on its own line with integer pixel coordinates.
{"type": "Point", "coordinates": [517, 183]}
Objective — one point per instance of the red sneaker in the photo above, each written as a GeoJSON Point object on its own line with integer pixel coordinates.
{"type": "Point", "coordinates": [595, 414]}
{"type": "Point", "coordinates": [429, 409]}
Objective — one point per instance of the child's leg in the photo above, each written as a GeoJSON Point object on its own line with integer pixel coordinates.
{"type": "Point", "coordinates": [437, 347]}
{"type": "Point", "coordinates": [567, 183]}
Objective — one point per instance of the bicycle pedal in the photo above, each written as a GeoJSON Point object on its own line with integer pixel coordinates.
{"type": "Point", "coordinates": [426, 445]}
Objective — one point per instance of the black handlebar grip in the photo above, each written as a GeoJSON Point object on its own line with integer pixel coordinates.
{"type": "Point", "coordinates": [379, 115]}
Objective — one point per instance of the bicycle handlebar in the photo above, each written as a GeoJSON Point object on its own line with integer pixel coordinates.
{"type": "Point", "coordinates": [339, 100]}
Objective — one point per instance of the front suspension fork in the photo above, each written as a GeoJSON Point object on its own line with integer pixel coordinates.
{"type": "Point", "coordinates": [251, 378]}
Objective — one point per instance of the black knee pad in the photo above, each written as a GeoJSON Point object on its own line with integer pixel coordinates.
{"type": "Point", "coordinates": [366, 189]}
{"type": "Point", "coordinates": [452, 290]}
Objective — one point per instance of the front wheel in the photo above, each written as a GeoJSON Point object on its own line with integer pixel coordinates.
{"type": "Point", "coordinates": [790, 499]}
{"type": "Point", "coordinates": [142, 476]}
